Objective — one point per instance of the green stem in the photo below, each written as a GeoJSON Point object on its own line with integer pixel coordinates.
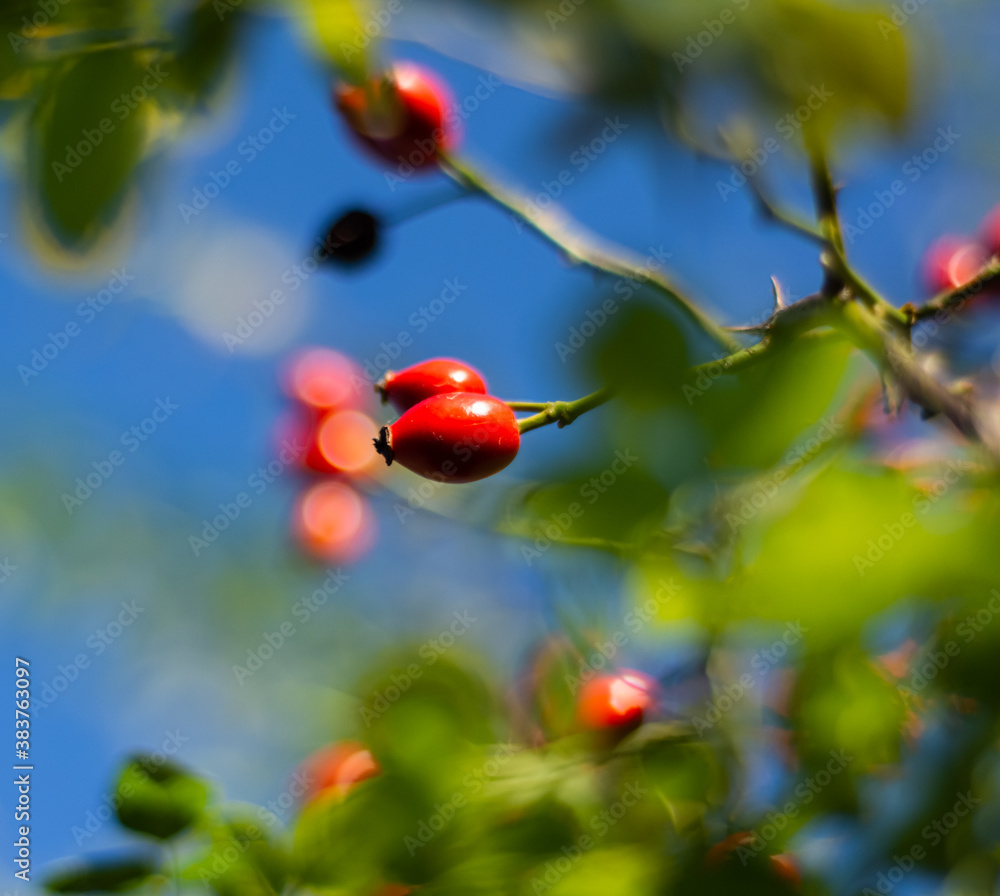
{"type": "Point", "coordinates": [891, 353]}
{"type": "Point", "coordinates": [563, 412]}
{"type": "Point", "coordinates": [955, 298]}
{"type": "Point", "coordinates": [527, 405]}
{"type": "Point", "coordinates": [586, 248]}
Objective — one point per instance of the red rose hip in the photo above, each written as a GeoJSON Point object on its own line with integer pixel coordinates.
{"type": "Point", "coordinates": [990, 232]}
{"type": "Point", "coordinates": [618, 702]}
{"type": "Point", "coordinates": [438, 376]}
{"type": "Point", "coordinates": [458, 437]}
{"type": "Point", "coordinates": [336, 769]}
{"type": "Point", "coordinates": [402, 117]}
{"type": "Point", "coordinates": [952, 262]}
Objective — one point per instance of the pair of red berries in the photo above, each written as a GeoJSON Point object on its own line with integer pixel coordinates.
{"type": "Point", "coordinates": [332, 519]}
{"type": "Point", "coordinates": [952, 261]}
{"type": "Point", "coordinates": [451, 430]}
{"type": "Point", "coordinates": [404, 117]}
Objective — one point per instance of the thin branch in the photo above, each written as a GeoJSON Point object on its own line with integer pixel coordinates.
{"type": "Point", "coordinates": [891, 353]}
{"type": "Point", "coordinates": [988, 275]}
{"type": "Point", "coordinates": [754, 354]}
{"type": "Point", "coordinates": [564, 412]}
{"type": "Point", "coordinates": [554, 225]}
{"type": "Point", "coordinates": [527, 405]}
{"type": "Point", "coordinates": [769, 208]}
{"type": "Point", "coordinates": [825, 194]}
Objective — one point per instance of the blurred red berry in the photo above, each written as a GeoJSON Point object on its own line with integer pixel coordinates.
{"type": "Point", "coordinates": [459, 437]}
{"type": "Point", "coordinates": [439, 376]}
{"type": "Point", "coordinates": [952, 262]}
{"type": "Point", "coordinates": [620, 701]}
{"type": "Point", "coordinates": [404, 117]}
{"type": "Point", "coordinates": [724, 849]}
{"type": "Point", "coordinates": [333, 523]}
{"type": "Point", "coordinates": [335, 769]}
{"type": "Point", "coordinates": [321, 380]}
{"type": "Point", "coordinates": [787, 869]}
{"type": "Point", "coordinates": [989, 232]}
{"type": "Point", "coordinates": [343, 441]}
{"type": "Point", "coordinates": [332, 442]}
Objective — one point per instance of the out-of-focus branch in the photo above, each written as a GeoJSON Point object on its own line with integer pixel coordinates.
{"type": "Point", "coordinates": [586, 248]}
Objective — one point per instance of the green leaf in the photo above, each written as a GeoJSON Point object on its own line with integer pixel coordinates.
{"type": "Point", "coordinates": [206, 39]}
{"type": "Point", "coordinates": [86, 138]}
{"type": "Point", "coordinates": [829, 61]}
{"type": "Point", "coordinates": [339, 31]}
{"type": "Point", "coordinates": [159, 798]}
{"type": "Point", "coordinates": [243, 861]}
{"type": "Point", "coordinates": [107, 876]}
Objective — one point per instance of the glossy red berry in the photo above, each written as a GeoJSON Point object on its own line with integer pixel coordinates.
{"type": "Point", "coordinates": [439, 376]}
{"type": "Point", "coordinates": [952, 262]}
{"type": "Point", "coordinates": [458, 437]}
{"type": "Point", "coordinates": [404, 117]}
{"type": "Point", "coordinates": [335, 769]}
{"type": "Point", "coordinates": [620, 701]}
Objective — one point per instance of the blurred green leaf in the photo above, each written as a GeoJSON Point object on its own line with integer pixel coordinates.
{"type": "Point", "coordinates": [87, 136]}
{"type": "Point", "coordinates": [108, 876]}
{"type": "Point", "coordinates": [243, 861]}
{"type": "Point", "coordinates": [339, 30]}
{"type": "Point", "coordinates": [831, 60]}
{"type": "Point", "coordinates": [159, 798]}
